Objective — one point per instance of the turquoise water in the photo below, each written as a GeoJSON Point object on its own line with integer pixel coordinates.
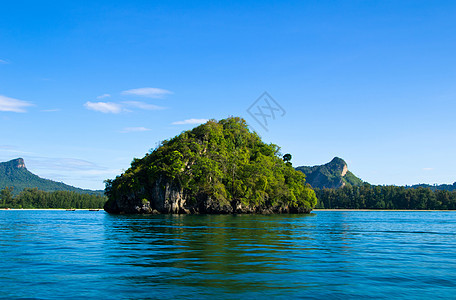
{"type": "Point", "coordinates": [325, 255]}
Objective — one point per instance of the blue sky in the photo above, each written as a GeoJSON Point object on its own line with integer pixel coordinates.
{"type": "Point", "coordinates": [85, 87]}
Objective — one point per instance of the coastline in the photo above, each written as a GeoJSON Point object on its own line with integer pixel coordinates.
{"type": "Point", "coordinates": [364, 209]}
{"type": "Point", "coordinates": [314, 210]}
{"type": "Point", "coordinates": [63, 209]}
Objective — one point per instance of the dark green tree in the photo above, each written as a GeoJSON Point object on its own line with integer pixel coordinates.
{"type": "Point", "coordinates": [6, 196]}
{"type": "Point", "coordinates": [287, 157]}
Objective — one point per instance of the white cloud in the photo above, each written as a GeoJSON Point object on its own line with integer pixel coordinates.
{"type": "Point", "coordinates": [73, 171]}
{"type": "Point", "coordinates": [3, 62]}
{"type": "Point", "coordinates": [104, 107]}
{"type": "Point", "coordinates": [148, 92]}
{"type": "Point", "coordinates": [428, 169]}
{"type": "Point", "coordinates": [12, 149]}
{"type": "Point", "coordinates": [143, 105]}
{"type": "Point", "coordinates": [104, 96]}
{"type": "Point", "coordinates": [61, 164]}
{"type": "Point", "coordinates": [190, 121]}
{"type": "Point", "coordinates": [101, 172]}
{"type": "Point", "coordinates": [13, 105]}
{"type": "Point", "coordinates": [135, 129]}
{"type": "Point", "coordinates": [115, 108]}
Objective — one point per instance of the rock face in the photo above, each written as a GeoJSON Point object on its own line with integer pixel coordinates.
{"type": "Point", "coordinates": [17, 163]}
{"type": "Point", "coordinates": [170, 199]}
{"type": "Point", "coordinates": [216, 168]}
{"type": "Point", "coordinates": [333, 175]}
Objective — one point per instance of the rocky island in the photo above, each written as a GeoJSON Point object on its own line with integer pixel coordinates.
{"type": "Point", "coordinates": [219, 167]}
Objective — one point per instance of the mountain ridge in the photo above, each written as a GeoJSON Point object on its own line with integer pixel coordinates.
{"type": "Point", "coordinates": [14, 173]}
{"type": "Point", "coordinates": [334, 175]}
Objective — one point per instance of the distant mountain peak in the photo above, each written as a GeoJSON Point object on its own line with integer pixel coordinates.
{"type": "Point", "coordinates": [14, 174]}
{"type": "Point", "coordinates": [337, 160]}
{"type": "Point", "coordinates": [17, 163]}
{"type": "Point", "coordinates": [338, 164]}
{"type": "Point", "coordinates": [334, 174]}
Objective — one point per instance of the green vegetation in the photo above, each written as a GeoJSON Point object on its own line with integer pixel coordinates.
{"type": "Point", "coordinates": [351, 179]}
{"type": "Point", "coordinates": [222, 161]}
{"type": "Point", "coordinates": [34, 198]}
{"type": "Point", "coordinates": [334, 174]}
{"type": "Point", "coordinates": [14, 174]}
{"type": "Point", "coordinates": [338, 188]}
{"type": "Point", "coordinates": [287, 157]}
{"type": "Point", "coordinates": [385, 197]}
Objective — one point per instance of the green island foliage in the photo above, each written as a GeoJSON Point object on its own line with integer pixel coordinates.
{"type": "Point", "coordinates": [221, 159]}
{"type": "Point", "coordinates": [34, 198]}
{"type": "Point", "coordinates": [385, 197]}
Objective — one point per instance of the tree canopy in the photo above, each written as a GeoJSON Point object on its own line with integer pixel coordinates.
{"type": "Point", "coordinates": [34, 198]}
{"type": "Point", "coordinates": [385, 197]}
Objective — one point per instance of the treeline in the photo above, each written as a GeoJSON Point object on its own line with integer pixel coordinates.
{"type": "Point", "coordinates": [34, 198]}
{"type": "Point", "coordinates": [385, 197]}
{"type": "Point", "coordinates": [447, 187]}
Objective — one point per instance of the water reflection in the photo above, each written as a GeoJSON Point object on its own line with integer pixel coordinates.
{"type": "Point", "coordinates": [231, 250]}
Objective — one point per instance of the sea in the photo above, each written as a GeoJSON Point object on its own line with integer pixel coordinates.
{"type": "Point", "coordinates": [52, 254]}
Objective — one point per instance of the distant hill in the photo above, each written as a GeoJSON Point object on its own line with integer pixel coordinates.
{"type": "Point", "coordinates": [334, 174]}
{"type": "Point", "coordinates": [14, 174]}
{"type": "Point", "coordinates": [435, 187]}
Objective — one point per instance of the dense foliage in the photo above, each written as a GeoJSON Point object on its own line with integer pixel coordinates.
{"type": "Point", "coordinates": [34, 198]}
{"type": "Point", "coordinates": [20, 178]}
{"type": "Point", "coordinates": [223, 160]}
{"type": "Point", "coordinates": [385, 197]}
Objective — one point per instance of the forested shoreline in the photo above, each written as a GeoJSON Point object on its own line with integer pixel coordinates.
{"type": "Point", "coordinates": [348, 197]}
{"type": "Point", "coordinates": [385, 197]}
{"type": "Point", "coordinates": [34, 198]}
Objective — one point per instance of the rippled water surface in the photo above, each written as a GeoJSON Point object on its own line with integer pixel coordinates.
{"type": "Point", "coordinates": [325, 255]}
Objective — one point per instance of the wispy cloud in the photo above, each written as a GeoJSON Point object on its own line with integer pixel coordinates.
{"type": "Point", "coordinates": [104, 107]}
{"type": "Point", "coordinates": [13, 105]}
{"type": "Point", "coordinates": [12, 149]}
{"type": "Point", "coordinates": [62, 164]}
{"type": "Point", "coordinates": [104, 96]}
{"type": "Point", "coordinates": [190, 121]}
{"type": "Point", "coordinates": [115, 108]}
{"type": "Point", "coordinates": [148, 92]}
{"type": "Point", "coordinates": [69, 170]}
{"type": "Point", "coordinates": [135, 129]}
{"type": "Point", "coordinates": [428, 169]}
{"type": "Point", "coordinates": [3, 62]}
{"type": "Point", "coordinates": [143, 105]}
